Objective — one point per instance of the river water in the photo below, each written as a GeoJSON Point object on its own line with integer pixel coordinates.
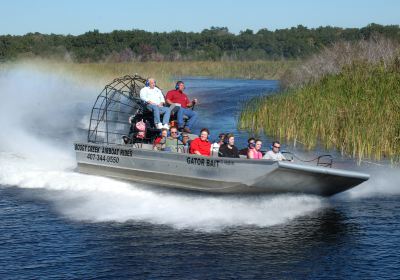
{"type": "Point", "coordinates": [56, 223]}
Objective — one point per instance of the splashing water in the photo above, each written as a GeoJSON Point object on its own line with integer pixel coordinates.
{"type": "Point", "coordinates": [384, 181]}
{"type": "Point", "coordinates": [97, 199]}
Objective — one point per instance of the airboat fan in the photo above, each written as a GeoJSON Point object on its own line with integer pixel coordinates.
{"type": "Point", "coordinates": [117, 102]}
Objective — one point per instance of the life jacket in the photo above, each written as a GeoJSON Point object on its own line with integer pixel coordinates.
{"type": "Point", "coordinates": [141, 128]}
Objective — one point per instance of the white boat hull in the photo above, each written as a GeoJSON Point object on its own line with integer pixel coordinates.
{"type": "Point", "coordinates": [210, 174]}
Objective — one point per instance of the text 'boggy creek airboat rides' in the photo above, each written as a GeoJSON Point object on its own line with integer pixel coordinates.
{"type": "Point", "coordinates": [116, 148]}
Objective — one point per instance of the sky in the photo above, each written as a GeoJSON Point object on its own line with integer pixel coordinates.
{"type": "Point", "coordinates": [18, 17]}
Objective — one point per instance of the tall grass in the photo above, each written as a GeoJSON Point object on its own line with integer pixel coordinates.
{"type": "Point", "coordinates": [356, 111]}
{"type": "Point", "coordinates": [331, 60]}
{"type": "Point", "coordinates": [164, 72]}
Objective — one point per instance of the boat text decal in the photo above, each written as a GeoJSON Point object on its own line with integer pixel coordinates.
{"type": "Point", "coordinates": [207, 162]}
{"type": "Point", "coordinates": [104, 154]}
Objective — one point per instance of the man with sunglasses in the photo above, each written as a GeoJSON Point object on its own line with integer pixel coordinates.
{"type": "Point", "coordinates": [172, 143]}
{"type": "Point", "coordinates": [275, 153]}
{"type": "Point", "coordinates": [251, 142]}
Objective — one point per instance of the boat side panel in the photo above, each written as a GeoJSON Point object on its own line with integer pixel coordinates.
{"type": "Point", "coordinates": [211, 174]}
{"type": "Point", "coordinates": [300, 181]}
{"type": "Point", "coordinates": [168, 180]}
{"type": "Point", "coordinates": [179, 165]}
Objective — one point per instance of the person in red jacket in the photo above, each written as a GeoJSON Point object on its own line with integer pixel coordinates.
{"type": "Point", "coordinates": [201, 146]}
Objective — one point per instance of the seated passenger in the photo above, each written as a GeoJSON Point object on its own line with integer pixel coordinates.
{"type": "Point", "coordinates": [201, 146]}
{"type": "Point", "coordinates": [254, 151]}
{"type": "Point", "coordinates": [159, 143]}
{"type": "Point", "coordinates": [178, 99]}
{"type": "Point", "coordinates": [275, 153]}
{"type": "Point", "coordinates": [228, 149]}
{"type": "Point", "coordinates": [215, 146]}
{"type": "Point", "coordinates": [250, 141]}
{"type": "Point", "coordinates": [155, 103]}
{"type": "Point", "coordinates": [172, 142]}
{"type": "Point", "coordinates": [186, 143]}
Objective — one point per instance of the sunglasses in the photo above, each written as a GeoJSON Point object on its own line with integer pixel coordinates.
{"type": "Point", "coordinates": [276, 147]}
{"type": "Point", "coordinates": [174, 132]}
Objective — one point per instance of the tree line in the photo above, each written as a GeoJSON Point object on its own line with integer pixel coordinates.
{"type": "Point", "coordinates": [216, 43]}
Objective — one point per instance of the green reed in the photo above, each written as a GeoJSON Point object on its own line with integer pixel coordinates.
{"type": "Point", "coordinates": [356, 111]}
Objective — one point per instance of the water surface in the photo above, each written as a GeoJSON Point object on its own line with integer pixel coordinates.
{"type": "Point", "coordinates": [56, 223]}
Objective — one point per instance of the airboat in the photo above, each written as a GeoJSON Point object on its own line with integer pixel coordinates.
{"type": "Point", "coordinates": [115, 148]}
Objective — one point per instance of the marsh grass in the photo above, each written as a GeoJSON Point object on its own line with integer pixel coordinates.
{"type": "Point", "coordinates": [165, 73]}
{"type": "Point", "coordinates": [356, 111]}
